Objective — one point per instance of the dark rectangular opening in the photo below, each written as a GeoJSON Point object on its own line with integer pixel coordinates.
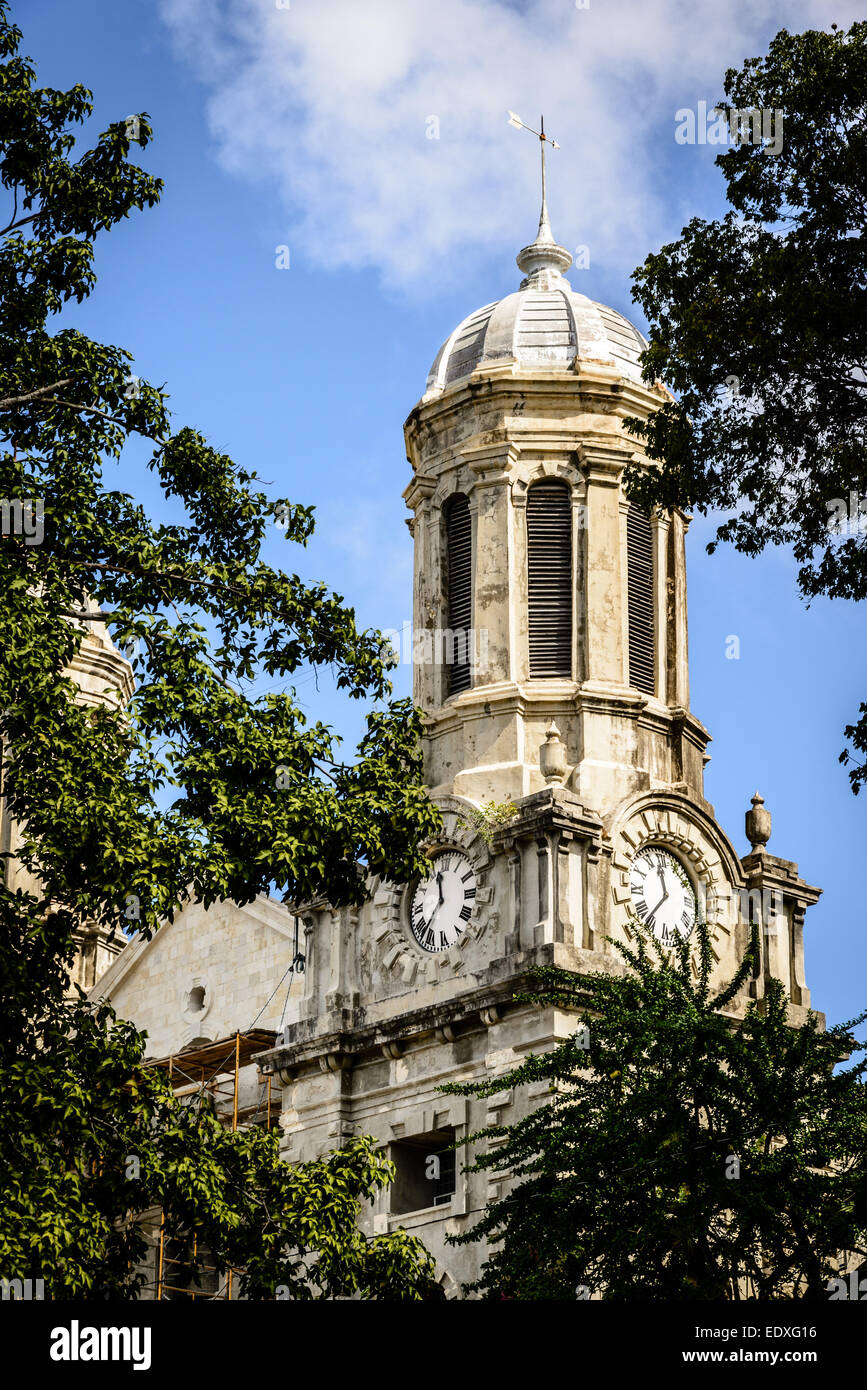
{"type": "Point", "coordinates": [426, 1171]}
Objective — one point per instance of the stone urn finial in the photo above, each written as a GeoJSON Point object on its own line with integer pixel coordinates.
{"type": "Point", "coordinates": [552, 756]}
{"type": "Point", "coordinates": [757, 823]}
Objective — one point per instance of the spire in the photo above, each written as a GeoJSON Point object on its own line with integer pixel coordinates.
{"type": "Point", "coordinates": [543, 261]}
{"type": "Point", "coordinates": [544, 233]}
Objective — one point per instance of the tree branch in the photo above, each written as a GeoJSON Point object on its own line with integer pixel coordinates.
{"type": "Point", "coordinates": [9, 402]}
{"type": "Point", "coordinates": [216, 585]}
{"type": "Point", "coordinates": [86, 617]}
{"type": "Point", "coordinates": [22, 221]}
{"type": "Point", "coordinates": [113, 419]}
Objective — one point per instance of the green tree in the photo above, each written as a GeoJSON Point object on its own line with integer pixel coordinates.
{"type": "Point", "coordinates": [200, 789]}
{"type": "Point", "coordinates": [758, 324]}
{"type": "Point", "coordinates": [685, 1152]}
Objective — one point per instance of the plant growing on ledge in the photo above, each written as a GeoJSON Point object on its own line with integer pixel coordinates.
{"type": "Point", "coordinates": [488, 818]}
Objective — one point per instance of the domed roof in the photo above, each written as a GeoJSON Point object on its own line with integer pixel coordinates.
{"type": "Point", "coordinates": [545, 323]}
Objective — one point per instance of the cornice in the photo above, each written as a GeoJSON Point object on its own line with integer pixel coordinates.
{"type": "Point", "coordinates": [337, 1047]}
{"type": "Point", "coordinates": [581, 388]}
{"type": "Point", "coordinates": [764, 868]}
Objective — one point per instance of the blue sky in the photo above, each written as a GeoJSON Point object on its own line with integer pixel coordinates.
{"type": "Point", "coordinates": [305, 125]}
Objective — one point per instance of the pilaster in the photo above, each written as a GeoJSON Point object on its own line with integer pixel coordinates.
{"type": "Point", "coordinates": [602, 464]}
{"type": "Point", "coordinates": [778, 898]}
{"type": "Point", "coordinates": [490, 505]}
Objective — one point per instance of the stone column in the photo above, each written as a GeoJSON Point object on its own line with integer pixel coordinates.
{"type": "Point", "coordinates": [492, 597]}
{"type": "Point", "coordinates": [604, 564]}
{"type": "Point", "coordinates": [678, 693]}
{"type": "Point", "coordinates": [428, 596]}
{"type": "Point", "coordinates": [659, 529]}
{"type": "Point", "coordinates": [562, 866]}
{"type": "Point", "coordinates": [543, 925]}
{"type": "Point", "coordinates": [514, 941]}
{"type": "Point", "coordinates": [780, 897]}
{"type": "Point", "coordinates": [579, 592]}
{"type": "Point", "coordinates": [520, 598]}
{"type": "Point", "coordinates": [800, 993]}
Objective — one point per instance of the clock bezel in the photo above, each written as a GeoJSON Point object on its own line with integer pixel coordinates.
{"type": "Point", "coordinates": [399, 954]}
{"type": "Point", "coordinates": [691, 879]}
{"type": "Point", "coordinates": [678, 823]}
{"type": "Point", "coordinates": [434, 853]}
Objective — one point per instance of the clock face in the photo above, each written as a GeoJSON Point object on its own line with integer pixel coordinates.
{"type": "Point", "coordinates": [443, 902]}
{"type": "Point", "coordinates": [662, 894]}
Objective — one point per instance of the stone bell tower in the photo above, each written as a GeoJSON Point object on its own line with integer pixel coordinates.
{"type": "Point", "coordinates": [526, 400]}
{"type": "Point", "coordinates": [551, 663]}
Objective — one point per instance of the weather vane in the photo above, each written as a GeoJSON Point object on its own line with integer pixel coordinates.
{"type": "Point", "coordinates": [543, 141]}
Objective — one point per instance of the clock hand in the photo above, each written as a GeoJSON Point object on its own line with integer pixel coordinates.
{"type": "Point", "coordinates": [429, 887]}
{"type": "Point", "coordinates": [438, 905]}
{"type": "Point", "coordinates": [650, 919]}
{"type": "Point", "coordinates": [658, 905]}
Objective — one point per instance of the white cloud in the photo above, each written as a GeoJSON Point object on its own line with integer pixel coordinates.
{"type": "Point", "coordinates": [328, 100]}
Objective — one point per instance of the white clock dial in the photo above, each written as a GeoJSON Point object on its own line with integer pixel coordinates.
{"type": "Point", "coordinates": [442, 903]}
{"type": "Point", "coordinates": [662, 894]}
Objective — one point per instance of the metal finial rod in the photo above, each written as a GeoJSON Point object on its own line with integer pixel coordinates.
{"type": "Point", "coordinates": [544, 233]}
{"type": "Point", "coordinates": [542, 148]}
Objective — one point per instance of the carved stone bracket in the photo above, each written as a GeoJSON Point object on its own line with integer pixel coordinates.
{"type": "Point", "coordinates": [335, 1062]}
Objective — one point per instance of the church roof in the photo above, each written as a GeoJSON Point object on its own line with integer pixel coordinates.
{"type": "Point", "coordinates": [544, 324]}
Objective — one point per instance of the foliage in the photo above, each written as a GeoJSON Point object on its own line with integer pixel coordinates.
{"type": "Point", "coordinates": [198, 789]}
{"type": "Point", "coordinates": [758, 324]}
{"type": "Point", "coordinates": [490, 816]}
{"type": "Point", "coordinates": [685, 1152]}
{"type": "Point", "coordinates": [106, 1137]}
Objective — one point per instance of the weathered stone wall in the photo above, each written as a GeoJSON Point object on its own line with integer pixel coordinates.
{"type": "Point", "coordinates": [381, 1024]}
{"type": "Point", "coordinates": [491, 439]}
{"type": "Point", "coordinates": [237, 956]}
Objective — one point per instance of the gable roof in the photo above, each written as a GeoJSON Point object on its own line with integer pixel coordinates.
{"type": "Point", "coordinates": [267, 912]}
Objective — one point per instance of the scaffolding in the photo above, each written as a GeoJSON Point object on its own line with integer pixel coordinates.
{"type": "Point", "coordinates": [212, 1070]}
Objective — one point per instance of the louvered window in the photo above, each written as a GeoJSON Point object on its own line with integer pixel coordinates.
{"type": "Point", "coordinates": [639, 554]}
{"type": "Point", "coordinates": [549, 578]}
{"type": "Point", "coordinates": [459, 584]}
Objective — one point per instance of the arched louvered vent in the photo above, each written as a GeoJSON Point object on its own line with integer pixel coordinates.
{"type": "Point", "coordinates": [549, 578]}
{"type": "Point", "coordinates": [459, 582]}
{"type": "Point", "coordinates": [639, 555]}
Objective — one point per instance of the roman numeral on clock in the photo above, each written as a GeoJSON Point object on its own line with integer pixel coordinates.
{"type": "Point", "coordinates": [469, 892]}
{"type": "Point", "coordinates": [467, 875]}
{"type": "Point", "coordinates": [465, 912]}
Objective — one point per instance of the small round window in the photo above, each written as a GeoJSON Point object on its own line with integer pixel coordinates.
{"type": "Point", "coordinates": [195, 1000]}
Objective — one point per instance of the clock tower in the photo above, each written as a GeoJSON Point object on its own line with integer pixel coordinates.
{"type": "Point", "coordinates": [550, 645]}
